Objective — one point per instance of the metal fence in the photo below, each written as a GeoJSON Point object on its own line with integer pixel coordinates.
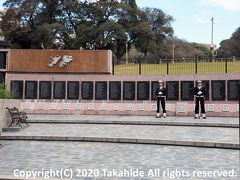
{"type": "Point", "coordinates": [189, 65]}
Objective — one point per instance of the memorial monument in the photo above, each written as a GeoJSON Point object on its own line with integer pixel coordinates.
{"type": "Point", "coordinates": [86, 77]}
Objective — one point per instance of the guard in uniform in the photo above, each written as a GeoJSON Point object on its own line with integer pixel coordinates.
{"type": "Point", "coordinates": [200, 92]}
{"type": "Point", "coordinates": [161, 94]}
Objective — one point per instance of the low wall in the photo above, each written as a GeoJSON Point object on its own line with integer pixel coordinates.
{"type": "Point", "coordinates": [181, 107]}
{"type": "Point", "coordinates": [222, 88]}
{"type": "Point", "coordinates": [228, 109]}
{"type": "Point", "coordinates": [4, 115]}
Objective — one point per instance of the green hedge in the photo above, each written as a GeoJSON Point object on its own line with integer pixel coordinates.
{"type": "Point", "coordinates": [4, 94]}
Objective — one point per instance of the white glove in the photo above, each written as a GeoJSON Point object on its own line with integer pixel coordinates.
{"type": "Point", "coordinates": [200, 92]}
{"type": "Point", "coordinates": [160, 93]}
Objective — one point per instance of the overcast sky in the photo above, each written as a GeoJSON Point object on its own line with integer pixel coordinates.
{"type": "Point", "coordinates": [192, 17]}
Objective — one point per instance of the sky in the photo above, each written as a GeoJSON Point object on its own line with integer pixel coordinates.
{"type": "Point", "coordinates": [193, 17]}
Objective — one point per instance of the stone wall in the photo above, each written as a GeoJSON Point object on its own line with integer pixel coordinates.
{"type": "Point", "coordinates": [222, 88]}
{"type": "Point", "coordinates": [4, 115]}
{"type": "Point", "coordinates": [227, 109]}
{"type": "Point", "coordinates": [214, 107]}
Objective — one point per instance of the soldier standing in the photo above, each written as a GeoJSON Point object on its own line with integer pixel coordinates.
{"type": "Point", "coordinates": [200, 92]}
{"type": "Point", "coordinates": [161, 94]}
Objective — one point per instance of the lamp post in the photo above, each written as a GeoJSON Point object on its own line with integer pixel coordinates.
{"type": "Point", "coordinates": [212, 45]}
{"type": "Point", "coordinates": [173, 52]}
{"type": "Point", "coordinates": [126, 53]}
{"type": "Point", "coordinates": [212, 20]}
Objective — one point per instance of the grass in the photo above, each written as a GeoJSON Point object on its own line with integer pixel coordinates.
{"type": "Point", "coordinates": [178, 68]}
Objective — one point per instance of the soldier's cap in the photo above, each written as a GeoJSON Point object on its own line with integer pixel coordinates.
{"type": "Point", "coordinates": [199, 81]}
{"type": "Point", "coordinates": [160, 81]}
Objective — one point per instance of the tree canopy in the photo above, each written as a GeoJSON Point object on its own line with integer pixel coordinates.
{"type": "Point", "coordinates": [96, 24]}
{"type": "Point", "coordinates": [231, 47]}
{"type": "Point", "coordinates": [74, 24]}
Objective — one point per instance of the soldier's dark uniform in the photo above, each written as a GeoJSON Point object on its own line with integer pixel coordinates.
{"type": "Point", "coordinates": [161, 94]}
{"type": "Point", "coordinates": [200, 92]}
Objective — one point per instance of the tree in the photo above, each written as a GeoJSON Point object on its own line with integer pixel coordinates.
{"type": "Point", "coordinates": [231, 47]}
{"type": "Point", "coordinates": [182, 49]}
{"type": "Point", "coordinates": [105, 30]}
{"type": "Point", "coordinates": [155, 27]}
{"type": "Point", "coordinates": [101, 24]}
{"type": "Point", "coordinates": [201, 49]}
{"type": "Point", "coordinates": [146, 39]}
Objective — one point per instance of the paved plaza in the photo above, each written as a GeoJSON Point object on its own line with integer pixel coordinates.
{"type": "Point", "coordinates": [56, 155]}
{"type": "Point", "coordinates": [35, 155]}
{"type": "Point", "coordinates": [206, 134]}
{"type": "Point", "coordinates": [118, 118]}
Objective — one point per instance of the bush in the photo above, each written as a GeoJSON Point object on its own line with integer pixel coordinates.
{"type": "Point", "coordinates": [4, 94]}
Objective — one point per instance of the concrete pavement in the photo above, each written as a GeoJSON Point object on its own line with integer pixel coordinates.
{"type": "Point", "coordinates": [183, 131]}
{"type": "Point", "coordinates": [135, 120]}
{"type": "Point", "coordinates": [37, 155]}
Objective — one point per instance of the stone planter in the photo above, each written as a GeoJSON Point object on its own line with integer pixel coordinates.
{"type": "Point", "coordinates": [4, 115]}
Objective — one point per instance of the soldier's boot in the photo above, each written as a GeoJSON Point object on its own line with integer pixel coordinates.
{"type": "Point", "coordinates": [164, 115]}
{"type": "Point", "coordinates": [158, 115]}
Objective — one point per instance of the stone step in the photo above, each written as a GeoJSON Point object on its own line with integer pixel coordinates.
{"type": "Point", "coordinates": [124, 140]}
{"type": "Point", "coordinates": [161, 122]}
{"type": "Point", "coordinates": [15, 128]}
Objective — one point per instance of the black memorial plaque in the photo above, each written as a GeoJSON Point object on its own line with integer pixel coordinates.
{"type": "Point", "coordinates": [31, 89]}
{"type": "Point", "coordinates": [218, 90]}
{"type": "Point", "coordinates": [187, 90]}
{"type": "Point", "coordinates": [172, 90]}
{"type": "Point", "coordinates": [45, 90]}
{"type": "Point", "coordinates": [59, 89]}
{"type": "Point", "coordinates": [2, 60]}
{"type": "Point", "coordinates": [115, 90]}
{"type": "Point", "coordinates": [233, 90]}
{"type": "Point", "coordinates": [73, 90]}
{"type": "Point", "coordinates": [154, 86]}
{"type": "Point", "coordinates": [101, 90]}
{"type": "Point", "coordinates": [143, 90]}
{"type": "Point", "coordinates": [17, 89]}
{"type": "Point", "coordinates": [87, 90]}
{"type": "Point", "coordinates": [2, 77]}
{"type": "Point", "coordinates": [206, 85]}
{"type": "Point", "coordinates": [129, 90]}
